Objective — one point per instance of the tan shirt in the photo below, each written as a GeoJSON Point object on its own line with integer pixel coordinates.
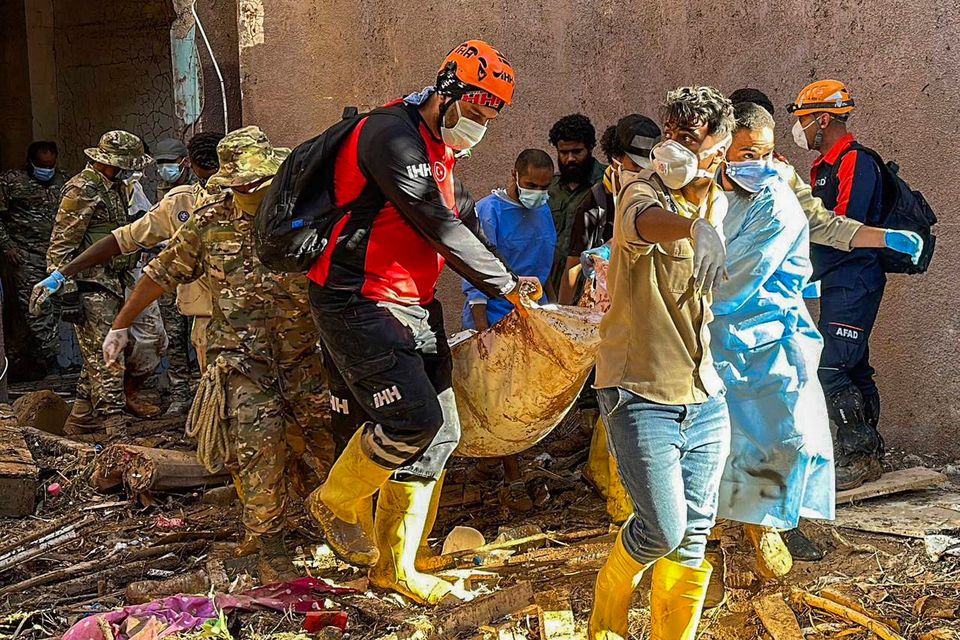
{"type": "Point", "coordinates": [655, 340]}
{"type": "Point", "coordinates": [160, 224]}
{"type": "Point", "coordinates": [826, 227]}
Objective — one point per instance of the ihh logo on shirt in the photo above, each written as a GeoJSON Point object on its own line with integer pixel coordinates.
{"type": "Point", "coordinates": [421, 170]}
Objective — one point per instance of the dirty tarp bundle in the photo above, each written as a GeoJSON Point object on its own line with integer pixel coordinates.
{"type": "Point", "coordinates": [516, 381]}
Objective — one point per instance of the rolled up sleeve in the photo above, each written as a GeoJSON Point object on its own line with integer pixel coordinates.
{"type": "Point", "coordinates": [636, 198]}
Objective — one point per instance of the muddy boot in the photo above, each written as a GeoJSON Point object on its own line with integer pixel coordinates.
{"type": "Point", "coordinates": [179, 407]}
{"type": "Point", "coordinates": [773, 558]}
{"type": "Point", "coordinates": [83, 423]}
{"type": "Point", "coordinates": [853, 470]}
{"type": "Point", "coordinates": [403, 510]}
{"type": "Point", "coordinates": [142, 407]}
{"type": "Point", "coordinates": [716, 589]}
{"type": "Point", "coordinates": [801, 547]}
{"type": "Point", "coordinates": [275, 564]}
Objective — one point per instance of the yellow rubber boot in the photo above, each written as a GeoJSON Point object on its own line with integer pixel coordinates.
{"type": "Point", "coordinates": [426, 555]}
{"type": "Point", "coordinates": [676, 599]}
{"type": "Point", "coordinates": [616, 583]}
{"type": "Point", "coordinates": [619, 505]}
{"type": "Point", "coordinates": [402, 512]}
{"type": "Point", "coordinates": [597, 469]}
{"type": "Point", "coordinates": [342, 504]}
{"type": "Point", "coordinates": [773, 558]}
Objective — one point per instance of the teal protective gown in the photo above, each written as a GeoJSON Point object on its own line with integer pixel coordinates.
{"type": "Point", "coordinates": [767, 350]}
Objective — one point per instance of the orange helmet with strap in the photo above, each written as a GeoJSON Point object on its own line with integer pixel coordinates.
{"type": "Point", "coordinates": [476, 72]}
{"type": "Point", "coordinates": [823, 96]}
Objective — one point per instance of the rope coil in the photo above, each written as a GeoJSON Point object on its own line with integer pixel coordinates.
{"type": "Point", "coordinates": [207, 419]}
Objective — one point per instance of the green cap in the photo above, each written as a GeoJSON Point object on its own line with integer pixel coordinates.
{"type": "Point", "coordinates": [120, 149]}
{"type": "Point", "coordinates": [246, 156]}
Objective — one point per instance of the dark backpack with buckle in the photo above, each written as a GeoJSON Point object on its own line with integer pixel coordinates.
{"type": "Point", "coordinates": [904, 209]}
{"type": "Point", "coordinates": [294, 220]}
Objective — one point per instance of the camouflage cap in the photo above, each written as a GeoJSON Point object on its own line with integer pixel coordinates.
{"type": "Point", "coordinates": [120, 149]}
{"type": "Point", "coordinates": [246, 156]}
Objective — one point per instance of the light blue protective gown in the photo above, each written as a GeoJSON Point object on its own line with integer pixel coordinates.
{"type": "Point", "coordinates": [767, 350]}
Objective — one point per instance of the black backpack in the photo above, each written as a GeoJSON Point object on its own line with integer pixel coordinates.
{"type": "Point", "coordinates": [905, 209]}
{"type": "Point", "coordinates": [296, 216]}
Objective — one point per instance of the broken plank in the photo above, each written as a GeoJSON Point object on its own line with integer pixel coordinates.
{"type": "Point", "coordinates": [900, 481]}
{"type": "Point", "coordinates": [51, 540]}
{"type": "Point", "coordinates": [18, 473]}
{"type": "Point", "coordinates": [777, 617]}
{"type": "Point", "coordinates": [908, 517]}
{"type": "Point", "coordinates": [459, 496]}
{"type": "Point", "coordinates": [471, 616]}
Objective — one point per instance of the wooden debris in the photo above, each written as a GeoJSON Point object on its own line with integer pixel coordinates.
{"type": "Point", "coordinates": [470, 616]}
{"type": "Point", "coordinates": [894, 482]}
{"type": "Point", "coordinates": [147, 590]}
{"type": "Point", "coordinates": [20, 551]}
{"type": "Point", "coordinates": [18, 473]}
{"type": "Point", "coordinates": [449, 561]}
{"type": "Point", "coordinates": [777, 618]}
{"type": "Point", "coordinates": [910, 518]}
{"type": "Point", "coordinates": [99, 564]}
{"type": "Point", "coordinates": [943, 633]}
{"type": "Point", "coordinates": [931, 606]}
{"type": "Point", "coordinates": [58, 445]}
{"type": "Point", "coordinates": [836, 595]}
{"type": "Point", "coordinates": [43, 410]}
{"type": "Point", "coordinates": [872, 625]}
{"type": "Point", "coordinates": [145, 469]}
{"type": "Point", "coordinates": [456, 496]}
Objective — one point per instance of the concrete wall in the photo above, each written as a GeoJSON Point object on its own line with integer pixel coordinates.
{"type": "Point", "coordinates": [113, 72]}
{"type": "Point", "coordinates": [303, 61]}
{"type": "Point", "coordinates": [219, 19]}
{"type": "Point", "coordinates": [16, 128]}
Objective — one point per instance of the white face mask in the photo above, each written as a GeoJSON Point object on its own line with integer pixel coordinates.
{"type": "Point", "coordinates": [531, 198]}
{"type": "Point", "coordinates": [677, 166]}
{"type": "Point", "coordinates": [799, 134]}
{"type": "Point", "coordinates": [465, 134]}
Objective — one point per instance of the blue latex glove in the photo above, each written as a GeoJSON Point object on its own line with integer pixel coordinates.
{"type": "Point", "coordinates": [906, 242]}
{"type": "Point", "coordinates": [44, 289]}
{"type": "Point", "coordinates": [586, 264]}
{"type": "Point", "coordinates": [812, 291]}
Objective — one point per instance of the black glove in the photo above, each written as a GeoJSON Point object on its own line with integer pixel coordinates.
{"type": "Point", "coordinates": [71, 308]}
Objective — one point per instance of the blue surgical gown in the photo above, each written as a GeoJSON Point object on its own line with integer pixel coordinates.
{"type": "Point", "coordinates": [524, 238]}
{"type": "Point", "coordinates": [767, 348]}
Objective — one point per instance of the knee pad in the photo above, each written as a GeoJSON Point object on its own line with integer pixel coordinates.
{"type": "Point", "coordinates": [846, 408]}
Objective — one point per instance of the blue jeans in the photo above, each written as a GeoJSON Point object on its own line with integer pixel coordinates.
{"type": "Point", "coordinates": [671, 458]}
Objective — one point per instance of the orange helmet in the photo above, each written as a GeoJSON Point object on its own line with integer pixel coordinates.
{"type": "Point", "coordinates": [823, 96]}
{"type": "Point", "coordinates": [476, 72]}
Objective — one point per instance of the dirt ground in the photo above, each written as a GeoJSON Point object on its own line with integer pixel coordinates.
{"type": "Point", "coordinates": [889, 577]}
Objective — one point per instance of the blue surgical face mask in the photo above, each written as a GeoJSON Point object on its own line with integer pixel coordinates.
{"type": "Point", "coordinates": [531, 198]}
{"type": "Point", "coordinates": [752, 175]}
{"type": "Point", "coordinates": [169, 171]}
{"type": "Point", "coordinates": [43, 174]}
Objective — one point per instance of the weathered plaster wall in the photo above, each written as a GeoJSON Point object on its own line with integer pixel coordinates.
{"type": "Point", "coordinates": [220, 21]}
{"type": "Point", "coordinates": [611, 57]}
{"type": "Point", "coordinates": [113, 72]}
{"type": "Point", "coordinates": [16, 125]}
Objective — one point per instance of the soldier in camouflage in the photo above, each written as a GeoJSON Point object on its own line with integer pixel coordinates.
{"type": "Point", "coordinates": [92, 206]}
{"type": "Point", "coordinates": [28, 206]}
{"type": "Point", "coordinates": [261, 340]}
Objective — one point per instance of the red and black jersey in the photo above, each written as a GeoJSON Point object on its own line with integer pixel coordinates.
{"type": "Point", "coordinates": [395, 180]}
{"type": "Point", "coordinates": [849, 183]}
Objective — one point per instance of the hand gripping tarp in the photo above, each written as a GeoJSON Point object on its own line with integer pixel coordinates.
{"type": "Point", "coordinates": [516, 381]}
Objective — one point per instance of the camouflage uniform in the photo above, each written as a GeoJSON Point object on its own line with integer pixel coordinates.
{"type": "Point", "coordinates": [260, 330]}
{"type": "Point", "coordinates": [27, 211]}
{"type": "Point", "coordinates": [91, 207]}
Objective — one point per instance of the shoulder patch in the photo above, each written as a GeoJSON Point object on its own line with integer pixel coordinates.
{"type": "Point", "coordinates": [183, 216]}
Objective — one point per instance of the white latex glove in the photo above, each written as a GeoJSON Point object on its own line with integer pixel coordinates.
{"type": "Point", "coordinates": [114, 344]}
{"type": "Point", "coordinates": [709, 255]}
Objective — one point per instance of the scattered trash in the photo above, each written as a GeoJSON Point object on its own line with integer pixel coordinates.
{"type": "Point", "coordinates": [462, 538]}
{"type": "Point", "coordinates": [53, 490]}
{"type": "Point", "coordinates": [942, 543]}
{"type": "Point", "coordinates": [163, 522]}
{"type": "Point", "coordinates": [315, 621]}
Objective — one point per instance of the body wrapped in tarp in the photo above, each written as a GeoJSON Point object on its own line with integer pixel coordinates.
{"type": "Point", "coordinates": [516, 381]}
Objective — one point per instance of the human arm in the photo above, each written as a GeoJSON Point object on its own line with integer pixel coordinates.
{"type": "Point", "coordinates": [568, 283]}
{"type": "Point", "coordinates": [388, 145]}
{"type": "Point", "coordinates": [483, 220]}
{"type": "Point", "coordinates": [478, 311]}
{"type": "Point", "coordinates": [73, 217]}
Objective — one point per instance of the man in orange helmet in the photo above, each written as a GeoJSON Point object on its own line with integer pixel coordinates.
{"type": "Point", "coordinates": [848, 181]}
{"type": "Point", "coordinates": [380, 324]}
